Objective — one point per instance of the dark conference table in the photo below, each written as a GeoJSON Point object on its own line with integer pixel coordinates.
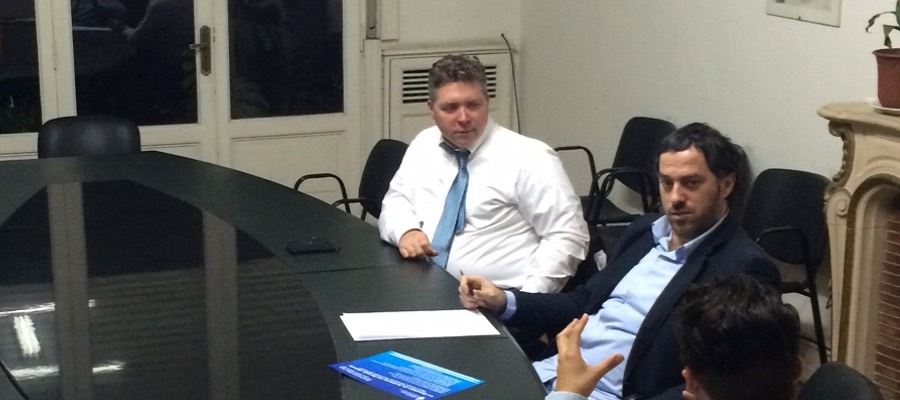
{"type": "Point", "coordinates": [154, 276]}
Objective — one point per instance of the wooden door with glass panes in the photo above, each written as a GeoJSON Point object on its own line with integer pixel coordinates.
{"type": "Point", "coordinates": [270, 87]}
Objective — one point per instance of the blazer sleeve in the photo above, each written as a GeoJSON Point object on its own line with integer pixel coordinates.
{"type": "Point", "coordinates": [548, 312]}
{"type": "Point", "coordinates": [551, 313]}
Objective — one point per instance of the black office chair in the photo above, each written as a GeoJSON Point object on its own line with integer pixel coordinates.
{"type": "Point", "coordinates": [634, 167]}
{"type": "Point", "coordinates": [835, 381]}
{"type": "Point", "coordinates": [88, 136]}
{"type": "Point", "coordinates": [381, 165]}
{"type": "Point", "coordinates": [785, 214]}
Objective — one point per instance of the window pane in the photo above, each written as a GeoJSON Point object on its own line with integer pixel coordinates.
{"type": "Point", "coordinates": [20, 98]}
{"type": "Point", "coordinates": [132, 59]}
{"type": "Point", "coordinates": [286, 57]}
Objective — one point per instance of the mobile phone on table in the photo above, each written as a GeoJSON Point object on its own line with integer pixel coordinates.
{"type": "Point", "coordinates": [310, 245]}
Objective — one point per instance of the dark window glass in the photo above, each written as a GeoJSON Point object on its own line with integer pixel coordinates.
{"type": "Point", "coordinates": [20, 98]}
{"type": "Point", "coordinates": [286, 57]}
{"type": "Point", "coordinates": [132, 59]}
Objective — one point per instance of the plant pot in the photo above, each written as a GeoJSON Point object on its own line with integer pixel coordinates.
{"type": "Point", "coordinates": [888, 61]}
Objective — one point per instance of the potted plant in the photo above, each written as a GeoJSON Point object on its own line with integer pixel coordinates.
{"type": "Point", "coordinates": [888, 61]}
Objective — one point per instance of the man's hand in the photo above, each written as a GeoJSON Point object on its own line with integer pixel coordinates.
{"type": "Point", "coordinates": [572, 373]}
{"type": "Point", "coordinates": [691, 385]}
{"type": "Point", "coordinates": [476, 291]}
{"type": "Point", "coordinates": [414, 244]}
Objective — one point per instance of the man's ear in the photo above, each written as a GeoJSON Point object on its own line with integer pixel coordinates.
{"type": "Point", "coordinates": [726, 185]}
{"type": "Point", "coordinates": [691, 380]}
{"type": "Point", "coordinates": [430, 105]}
{"type": "Point", "coordinates": [797, 368]}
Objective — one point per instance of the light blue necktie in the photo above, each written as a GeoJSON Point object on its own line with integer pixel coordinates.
{"type": "Point", "coordinates": [454, 217]}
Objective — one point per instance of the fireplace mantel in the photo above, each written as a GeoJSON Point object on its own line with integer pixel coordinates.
{"type": "Point", "coordinates": [857, 205]}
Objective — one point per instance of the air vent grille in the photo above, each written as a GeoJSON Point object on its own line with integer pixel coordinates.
{"type": "Point", "coordinates": [415, 84]}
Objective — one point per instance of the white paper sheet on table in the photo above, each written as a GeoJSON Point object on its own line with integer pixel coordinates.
{"type": "Point", "coordinates": [417, 324]}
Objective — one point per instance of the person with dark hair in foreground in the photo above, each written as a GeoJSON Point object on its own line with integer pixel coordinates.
{"type": "Point", "coordinates": [738, 340]}
{"type": "Point", "coordinates": [631, 301]}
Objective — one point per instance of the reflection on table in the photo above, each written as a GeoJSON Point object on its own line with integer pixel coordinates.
{"type": "Point", "coordinates": [155, 276]}
{"type": "Point", "coordinates": [139, 295]}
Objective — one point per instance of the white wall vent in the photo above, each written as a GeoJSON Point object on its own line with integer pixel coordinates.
{"type": "Point", "coordinates": [406, 87]}
{"type": "Point", "coordinates": [415, 84]}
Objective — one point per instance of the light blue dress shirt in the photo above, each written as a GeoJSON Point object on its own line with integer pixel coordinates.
{"type": "Point", "coordinates": [564, 396]}
{"type": "Point", "coordinates": [613, 328]}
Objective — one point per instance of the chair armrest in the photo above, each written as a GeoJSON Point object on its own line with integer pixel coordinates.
{"type": "Point", "coordinates": [364, 202]}
{"type": "Point", "coordinates": [605, 179]}
{"type": "Point", "coordinates": [326, 175]}
{"type": "Point", "coordinates": [590, 156]}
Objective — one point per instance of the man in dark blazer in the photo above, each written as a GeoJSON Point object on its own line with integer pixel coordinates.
{"type": "Point", "coordinates": [631, 301]}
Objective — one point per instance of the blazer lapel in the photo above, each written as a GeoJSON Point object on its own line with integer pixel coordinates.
{"type": "Point", "coordinates": [664, 306]}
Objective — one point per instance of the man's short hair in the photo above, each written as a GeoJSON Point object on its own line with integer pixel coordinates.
{"type": "Point", "coordinates": [740, 339]}
{"type": "Point", "coordinates": [454, 68]}
{"type": "Point", "coordinates": [722, 157]}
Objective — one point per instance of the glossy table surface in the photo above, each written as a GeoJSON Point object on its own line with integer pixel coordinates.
{"type": "Point", "coordinates": [154, 276]}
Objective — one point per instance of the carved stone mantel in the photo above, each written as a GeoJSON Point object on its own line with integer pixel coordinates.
{"type": "Point", "coordinates": [856, 205]}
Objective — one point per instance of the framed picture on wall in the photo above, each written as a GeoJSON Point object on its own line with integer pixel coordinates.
{"type": "Point", "coordinates": [826, 12]}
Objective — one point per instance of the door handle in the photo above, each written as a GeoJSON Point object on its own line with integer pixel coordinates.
{"type": "Point", "coordinates": [204, 49]}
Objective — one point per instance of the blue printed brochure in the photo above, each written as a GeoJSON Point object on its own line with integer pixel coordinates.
{"type": "Point", "coordinates": [406, 377]}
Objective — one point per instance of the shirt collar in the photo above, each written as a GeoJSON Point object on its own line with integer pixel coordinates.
{"type": "Point", "coordinates": [662, 232]}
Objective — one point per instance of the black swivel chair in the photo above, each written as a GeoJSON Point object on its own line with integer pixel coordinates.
{"type": "Point", "coordinates": [88, 136]}
{"type": "Point", "coordinates": [785, 214]}
{"type": "Point", "coordinates": [381, 165]}
{"type": "Point", "coordinates": [835, 381]}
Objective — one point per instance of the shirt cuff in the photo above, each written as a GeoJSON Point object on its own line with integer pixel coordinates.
{"type": "Point", "coordinates": [564, 396]}
{"type": "Point", "coordinates": [510, 305]}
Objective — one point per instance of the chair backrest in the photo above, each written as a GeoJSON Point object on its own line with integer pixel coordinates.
{"type": "Point", "coordinates": [638, 146]}
{"type": "Point", "coordinates": [836, 381]}
{"type": "Point", "coordinates": [382, 164]}
{"type": "Point", "coordinates": [788, 198]}
{"type": "Point", "coordinates": [88, 136]}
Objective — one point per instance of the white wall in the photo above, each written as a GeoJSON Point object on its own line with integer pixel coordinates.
{"type": "Point", "coordinates": [442, 21]}
{"type": "Point", "coordinates": [589, 65]}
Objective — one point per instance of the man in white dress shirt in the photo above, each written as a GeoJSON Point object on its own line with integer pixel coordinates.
{"type": "Point", "coordinates": [523, 226]}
